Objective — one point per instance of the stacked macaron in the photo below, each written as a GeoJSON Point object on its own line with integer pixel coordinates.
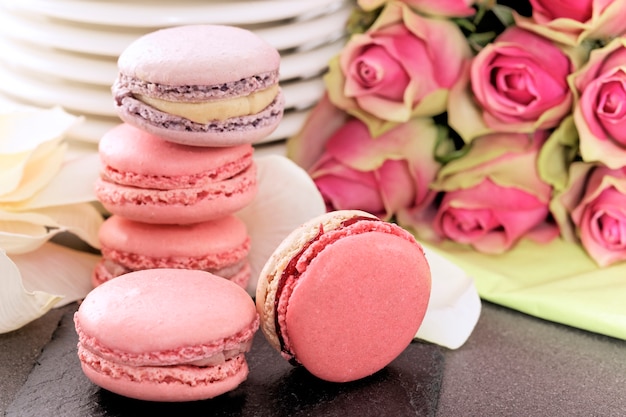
{"type": "Point", "coordinates": [193, 101]}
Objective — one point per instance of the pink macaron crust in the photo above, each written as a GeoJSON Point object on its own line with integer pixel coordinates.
{"type": "Point", "coordinates": [198, 63]}
{"type": "Point", "coordinates": [166, 335]}
{"type": "Point", "coordinates": [219, 246]}
{"type": "Point", "coordinates": [148, 179]}
{"type": "Point", "coordinates": [344, 295]}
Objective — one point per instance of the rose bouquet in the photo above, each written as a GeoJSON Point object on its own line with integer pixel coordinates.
{"type": "Point", "coordinates": [496, 132]}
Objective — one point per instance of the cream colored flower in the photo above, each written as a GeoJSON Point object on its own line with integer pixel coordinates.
{"type": "Point", "coordinates": [45, 191]}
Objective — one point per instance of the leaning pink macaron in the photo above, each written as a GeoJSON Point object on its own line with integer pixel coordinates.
{"type": "Point", "coordinates": [202, 85]}
{"type": "Point", "coordinates": [218, 246]}
{"type": "Point", "coordinates": [344, 295]}
{"type": "Point", "coordinates": [166, 335]}
{"type": "Point", "coordinates": [147, 179]}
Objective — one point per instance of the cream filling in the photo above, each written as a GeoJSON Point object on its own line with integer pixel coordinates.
{"type": "Point", "coordinates": [206, 111]}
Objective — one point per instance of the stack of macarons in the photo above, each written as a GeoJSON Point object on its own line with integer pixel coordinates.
{"type": "Point", "coordinates": [193, 101]}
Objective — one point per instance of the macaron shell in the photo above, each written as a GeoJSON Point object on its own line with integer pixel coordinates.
{"type": "Point", "coordinates": [357, 306]}
{"type": "Point", "coordinates": [198, 55]}
{"type": "Point", "coordinates": [396, 267]}
{"type": "Point", "coordinates": [270, 276]}
{"type": "Point", "coordinates": [179, 308]}
{"type": "Point", "coordinates": [135, 157]}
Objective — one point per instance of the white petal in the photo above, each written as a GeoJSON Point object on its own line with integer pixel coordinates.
{"type": "Point", "coordinates": [82, 220]}
{"type": "Point", "coordinates": [287, 197]}
{"type": "Point", "coordinates": [74, 183]}
{"type": "Point", "coordinates": [31, 151]}
{"type": "Point", "coordinates": [18, 306]}
{"type": "Point", "coordinates": [57, 269]}
{"type": "Point", "coordinates": [21, 237]}
{"type": "Point", "coordinates": [454, 306]}
{"type": "Point", "coordinates": [23, 129]}
{"type": "Point", "coordinates": [24, 232]}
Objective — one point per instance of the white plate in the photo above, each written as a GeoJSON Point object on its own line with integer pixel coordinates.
{"type": "Point", "coordinates": [309, 63]}
{"type": "Point", "coordinates": [97, 99]}
{"type": "Point", "coordinates": [89, 69]}
{"type": "Point", "coordinates": [155, 14]}
{"type": "Point", "coordinates": [100, 70]}
{"type": "Point", "coordinates": [88, 39]}
{"type": "Point", "coordinates": [48, 91]}
{"type": "Point", "coordinates": [303, 93]}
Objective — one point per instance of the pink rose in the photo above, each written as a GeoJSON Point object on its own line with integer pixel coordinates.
{"type": "Point", "coordinates": [519, 83]}
{"type": "Point", "coordinates": [402, 67]}
{"type": "Point", "coordinates": [383, 176]}
{"type": "Point", "coordinates": [547, 10]}
{"type": "Point", "coordinates": [572, 22]}
{"type": "Point", "coordinates": [600, 113]}
{"type": "Point", "coordinates": [596, 203]}
{"type": "Point", "coordinates": [493, 196]}
{"type": "Point", "coordinates": [446, 8]}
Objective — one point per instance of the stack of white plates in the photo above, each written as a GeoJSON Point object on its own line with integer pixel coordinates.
{"type": "Point", "coordinates": [64, 52]}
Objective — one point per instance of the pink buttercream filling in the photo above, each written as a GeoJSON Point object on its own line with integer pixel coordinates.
{"type": "Point", "coordinates": [107, 269]}
{"type": "Point", "coordinates": [160, 182]}
{"type": "Point", "coordinates": [186, 374]}
{"type": "Point", "coordinates": [209, 353]}
{"type": "Point", "coordinates": [108, 192]}
{"type": "Point", "coordinates": [211, 262]}
{"type": "Point", "coordinates": [298, 265]}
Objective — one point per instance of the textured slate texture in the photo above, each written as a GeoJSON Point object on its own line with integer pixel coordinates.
{"type": "Point", "coordinates": [407, 387]}
{"type": "Point", "coordinates": [512, 365]}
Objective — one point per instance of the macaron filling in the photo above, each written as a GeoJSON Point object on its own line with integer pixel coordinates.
{"type": "Point", "coordinates": [220, 109]}
{"type": "Point", "coordinates": [143, 177]}
{"type": "Point", "coordinates": [115, 267]}
{"type": "Point", "coordinates": [111, 193]}
{"type": "Point", "coordinates": [209, 354]}
{"type": "Point", "coordinates": [268, 118]}
{"type": "Point", "coordinates": [297, 266]}
{"type": "Point", "coordinates": [185, 374]}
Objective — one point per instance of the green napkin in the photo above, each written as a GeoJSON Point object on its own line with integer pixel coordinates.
{"type": "Point", "coordinates": [556, 282]}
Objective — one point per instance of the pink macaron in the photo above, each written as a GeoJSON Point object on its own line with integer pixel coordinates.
{"type": "Point", "coordinates": [218, 246]}
{"type": "Point", "coordinates": [202, 85]}
{"type": "Point", "coordinates": [344, 294]}
{"type": "Point", "coordinates": [147, 179]}
{"type": "Point", "coordinates": [166, 335]}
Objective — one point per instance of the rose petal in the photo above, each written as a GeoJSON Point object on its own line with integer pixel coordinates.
{"type": "Point", "coordinates": [454, 306]}
{"type": "Point", "coordinates": [287, 197]}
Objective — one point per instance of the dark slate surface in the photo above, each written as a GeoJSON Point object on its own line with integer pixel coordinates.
{"type": "Point", "coordinates": [512, 365]}
{"type": "Point", "coordinates": [517, 365]}
{"type": "Point", "coordinates": [407, 387]}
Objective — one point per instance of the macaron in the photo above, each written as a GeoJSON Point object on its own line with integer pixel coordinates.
{"type": "Point", "coordinates": [148, 179]}
{"type": "Point", "coordinates": [166, 335]}
{"type": "Point", "coordinates": [218, 246]}
{"type": "Point", "coordinates": [202, 85]}
{"type": "Point", "coordinates": [344, 294]}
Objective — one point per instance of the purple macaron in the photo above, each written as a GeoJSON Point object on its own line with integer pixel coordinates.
{"type": "Point", "coordinates": [200, 85]}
